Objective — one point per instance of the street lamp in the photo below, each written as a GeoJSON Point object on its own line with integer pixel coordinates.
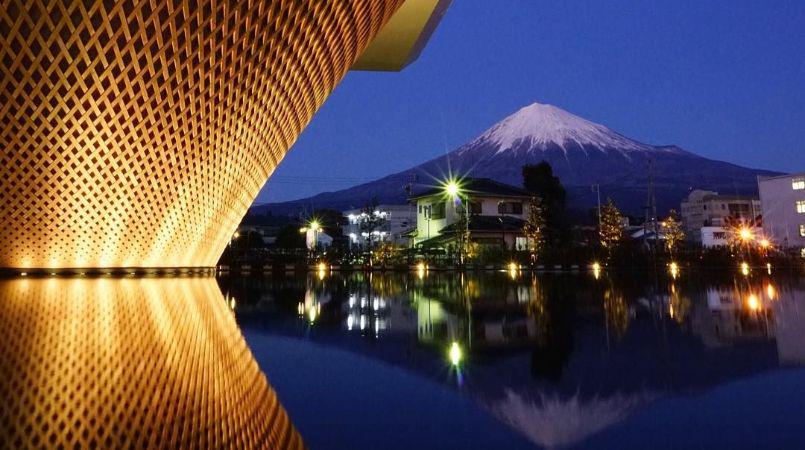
{"type": "Point", "coordinates": [313, 226]}
{"type": "Point", "coordinates": [746, 234]}
{"type": "Point", "coordinates": [452, 188]}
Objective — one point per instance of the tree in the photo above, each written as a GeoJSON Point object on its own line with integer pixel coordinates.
{"type": "Point", "coordinates": [672, 230]}
{"type": "Point", "coordinates": [289, 237]}
{"type": "Point", "coordinates": [534, 227]}
{"type": "Point", "coordinates": [611, 231]}
{"type": "Point", "coordinates": [539, 180]}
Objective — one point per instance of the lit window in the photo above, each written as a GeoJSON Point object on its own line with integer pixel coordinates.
{"type": "Point", "coordinates": [801, 206]}
{"type": "Point", "coordinates": [802, 252]}
{"type": "Point", "coordinates": [798, 184]}
{"type": "Point", "coordinates": [802, 230]}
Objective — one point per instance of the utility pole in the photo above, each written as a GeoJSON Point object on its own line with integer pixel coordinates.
{"type": "Point", "coordinates": [651, 208]}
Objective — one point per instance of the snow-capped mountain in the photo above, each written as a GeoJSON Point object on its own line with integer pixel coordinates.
{"type": "Point", "coordinates": [536, 126]}
{"type": "Point", "coordinates": [582, 153]}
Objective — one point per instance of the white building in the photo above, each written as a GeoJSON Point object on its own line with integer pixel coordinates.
{"type": "Point", "coordinates": [783, 199]}
{"type": "Point", "coordinates": [709, 209]}
{"type": "Point", "coordinates": [720, 236]}
{"type": "Point", "coordinates": [317, 239]}
{"type": "Point", "coordinates": [497, 212]}
{"type": "Point", "coordinates": [391, 224]}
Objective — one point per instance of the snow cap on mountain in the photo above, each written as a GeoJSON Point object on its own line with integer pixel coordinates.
{"type": "Point", "coordinates": [540, 124]}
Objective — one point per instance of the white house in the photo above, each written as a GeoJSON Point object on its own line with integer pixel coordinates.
{"type": "Point", "coordinates": [783, 202]}
{"type": "Point", "coordinates": [392, 222]}
{"type": "Point", "coordinates": [497, 213]}
{"type": "Point", "coordinates": [709, 209]}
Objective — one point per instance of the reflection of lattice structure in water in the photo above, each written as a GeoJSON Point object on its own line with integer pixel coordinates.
{"type": "Point", "coordinates": [136, 134]}
{"type": "Point", "coordinates": [105, 363]}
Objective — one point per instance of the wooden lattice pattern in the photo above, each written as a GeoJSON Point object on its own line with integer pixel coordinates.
{"type": "Point", "coordinates": [130, 363]}
{"type": "Point", "coordinates": [137, 133]}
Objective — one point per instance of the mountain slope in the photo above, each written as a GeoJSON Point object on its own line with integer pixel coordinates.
{"type": "Point", "coordinates": [582, 153]}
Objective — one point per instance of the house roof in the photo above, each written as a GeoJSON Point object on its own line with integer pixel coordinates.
{"type": "Point", "coordinates": [475, 187]}
{"type": "Point", "coordinates": [488, 223]}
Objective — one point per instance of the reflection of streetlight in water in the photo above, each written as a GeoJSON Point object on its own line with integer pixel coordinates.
{"type": "Point", "coordinates": [752, 302]}
{"type": "Point", "coordinates": [673, 268]}
{"type": "Point", "coordinates": [455, 354]}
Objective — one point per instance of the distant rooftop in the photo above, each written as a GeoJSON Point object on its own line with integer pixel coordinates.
{"type": "Point", "coordinates": [477, 187]}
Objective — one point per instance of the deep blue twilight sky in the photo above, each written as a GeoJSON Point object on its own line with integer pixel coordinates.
{"type": "Point", "coordinates": [724, 79]}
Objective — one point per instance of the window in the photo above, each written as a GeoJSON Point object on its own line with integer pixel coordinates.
{"type": "Point", "coordinates": [475, 207]}
{"type": "Point", "coordinates": [510, 208]}
{"type": "Point", "coordinates": [437, 210]}
{"type": "Point", "coordinates": [521, 243]}
{"type": "Point", "coordinates": [801, 206]}
{"type": "Point", "coordinates": [798, 184]}
{"type": "Point", "coordinates": [802, 230]}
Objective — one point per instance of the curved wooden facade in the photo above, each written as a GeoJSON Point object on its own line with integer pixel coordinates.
{"type": "Point", "coordinates": [137, 133]}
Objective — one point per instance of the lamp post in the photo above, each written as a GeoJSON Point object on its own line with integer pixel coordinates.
{"type": "Point", "coordinates": [313, 226]}
{"type": "Point", "coordinates": [453, 190]}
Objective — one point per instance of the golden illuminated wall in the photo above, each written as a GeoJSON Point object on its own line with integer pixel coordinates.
{"type": "Point", "coordinates": [137, 133]}
{"type": "Point", "coordinates": [134, 363]}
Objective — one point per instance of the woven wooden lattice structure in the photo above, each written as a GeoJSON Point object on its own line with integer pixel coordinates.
{"type": "Point", "coordinates": [132, 363]}
{"type": "Point", "coordinates": [137, 133]}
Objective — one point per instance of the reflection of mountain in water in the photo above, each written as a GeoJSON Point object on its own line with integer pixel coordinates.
{"type": "Point", "coordinates": [558, 357]}
{"type": "Point", "coordinates": [135, 363]}
{"type": "Point", "coordinates": [556, 422]}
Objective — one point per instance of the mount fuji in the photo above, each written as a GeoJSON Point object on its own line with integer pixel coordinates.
{"type": "Point", "coordinates": [581, 153]}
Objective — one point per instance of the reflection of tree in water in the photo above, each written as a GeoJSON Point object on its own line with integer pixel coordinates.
{"type": "Point", "coordinates": [553, 314]}
{"type": "Point", "coordinates": [678, 305]}
{"type": "Point", "coordinates": [616, 311]}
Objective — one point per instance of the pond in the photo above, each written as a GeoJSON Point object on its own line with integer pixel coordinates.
{"type": "Point", "coordinates": [428, 359]}
{"type": "Point", "coordinates": [514, 359]}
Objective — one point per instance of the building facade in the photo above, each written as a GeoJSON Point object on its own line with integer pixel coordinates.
{"type": "Point", "coordinates": [497, 213]}
{"type": "Point", "coordinates": [385, 224]}
{"type": "Point", "coordinates": [137, 134]}
{"type": "Point", "coordinates": [783, 200]}
{"type": "Point", "coordinates": [709, 209]}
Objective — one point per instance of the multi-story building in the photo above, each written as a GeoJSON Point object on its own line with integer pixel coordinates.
{"type": "Point", "coordinates": [386, 223]}
{"type": "Point", "coordinates": [497, 213]}
{"type": "Point", "coordinates": [783, 200]}
{"type": "Point", "coordinates": [709, 209]}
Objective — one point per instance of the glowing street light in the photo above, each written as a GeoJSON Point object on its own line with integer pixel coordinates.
{"type": "Point", "coordinates": [455, 354]}
{"type": "Point", "coordinates": [452, 188]}
{"type": "Point", "coordinates": [752, 302]}
{"type": "Point", "coordinates": [745, 268]}
{"type": "Point", "coordinates": [596, 270]}
{"type": "Point", "coordinates": [746, 234]}
{"type": "Point", "coordinates": [421, 268]}
{"type": "Point", "coordinates": [764, 243]}
{"type": "Point", "coordinates": [771, 292]}
{"type": "Point", "coordinates": [673, 268]}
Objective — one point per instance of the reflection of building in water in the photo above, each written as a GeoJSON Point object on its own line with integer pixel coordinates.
{"type": "Point", "coordinates": [139, 363]}
{"type": "Point", "coordinates": [789, 312]}
{"type": "Point", "coordinates": [486, 325]}
{"type": "Point", "coordinates": [366, 311]}
{"type": "Point", "coordinates": [731, 315]}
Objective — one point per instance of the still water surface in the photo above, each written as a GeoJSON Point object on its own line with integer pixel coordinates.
{"type": "Point", "coordinates": [517, 360]}
{"type": "Point", "coordinates": [396, 361]}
